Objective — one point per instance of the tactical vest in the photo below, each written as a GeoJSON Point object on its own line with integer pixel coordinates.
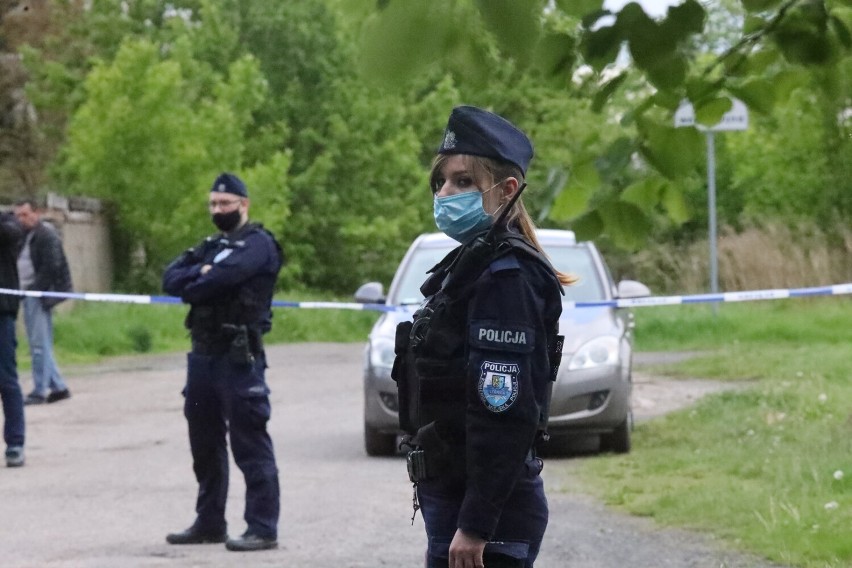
{"type": "Point", "coordinates": [247, 304]}
{"type": "Point", "coordinates": [431, 351]}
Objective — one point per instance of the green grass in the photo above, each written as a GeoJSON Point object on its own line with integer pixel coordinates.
{"type": "Point", "coordinates": [91, 331]}
{"type": "Point", "coordinates": [756, 465]}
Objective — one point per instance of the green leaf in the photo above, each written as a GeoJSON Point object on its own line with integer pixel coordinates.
{"type": "Point", "coordinates": [653, 48]}
{"type": "Point", "coordinates": [638, 111]}
{"type": "Point", "coordinates": [574, 199]}
{"type": "Point", "coordinates": [607, 89]}
{"type": "Point", "coordinates": [579, 8]}
{"type": "Point", "coordinates": [699, 88]}
{"type": "Point", "coordinates": [555, 54]}
{"type": "Point", "coordinates": [685, 19]}
{"type": "Point", "coordinates": [666, 72]}
{"type": "Point", "coordinates": [666, 100]}
{"type": "Point", "coordinates": [759, 61]}
{"type": "Point", "coordinates": [644, 194]}
{"type": "Point", "coordinates": [612, 163]}
{"type": "Point", "coordinates": [590, 19]}
{"type": "Point", "coordinates": [786, 81]}
{"type": "Point", "coordinates": [672, 151]}
{"type": "Point", "coordinates": [588, 227]}
{"type": "Point", "coordinates": [645, 36]}
{"type": "Point", "coordinates": [841, 31]}
{"type": "Point", "coordinates": [600, 47]}
{"type": "Point", "coordinates": [710, 112]}
{"type": "Point", "coordinates": [801, 36]}
{"type": "Point", "coordinates": [625, 224]}
{"type": "Point", "coordinates": [759, 5]}
{"type": "Point", "coordinates": [674, 202]}
{"type": "Point", "coordinates": [515, 24]}
{"type": "Point", "coordinates": [398, 42]}
{"type": "Point", "coordinates": [757, 94]}
{"type": "Point", "coordinates": [753, 24]}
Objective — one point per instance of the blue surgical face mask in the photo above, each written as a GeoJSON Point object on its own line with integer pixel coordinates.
{"type": "Point", "coordinates": [461, 216]}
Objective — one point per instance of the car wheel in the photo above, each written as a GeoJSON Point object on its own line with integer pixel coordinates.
{"type": "Point", "coordinates": [618, 440]}
{"type": "Point", "coordinates": [378, 443]}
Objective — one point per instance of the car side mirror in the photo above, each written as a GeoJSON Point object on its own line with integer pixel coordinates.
{"type": "Point", "coordinates": [632, 289]}
{"type": "Point", "coordinates": [370, 293]}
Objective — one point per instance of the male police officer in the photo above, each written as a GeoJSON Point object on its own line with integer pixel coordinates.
{"type": "Point", "coordinates": [228, 280]}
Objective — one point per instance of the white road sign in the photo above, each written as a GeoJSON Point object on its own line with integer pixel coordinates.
{"type": "Point", "coordinates": [734, 119]}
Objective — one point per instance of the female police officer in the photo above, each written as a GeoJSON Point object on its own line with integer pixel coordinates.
{"type": "Point", "coordinates": [474, 368]}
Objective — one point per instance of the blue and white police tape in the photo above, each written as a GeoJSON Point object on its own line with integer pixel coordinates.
{"type": "Point", "coordinates": [142, 299]}
{"type": "Point", "coordinates": [746, 296]}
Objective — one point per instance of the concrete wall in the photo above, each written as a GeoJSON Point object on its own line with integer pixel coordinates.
{"type": "Point", "coordinates": [85, 237]}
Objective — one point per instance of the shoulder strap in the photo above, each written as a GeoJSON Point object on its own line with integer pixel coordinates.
{"type": "Point", "coordinates": [260, 227]}
{"type": "Point", "coordinates": [517, 243]}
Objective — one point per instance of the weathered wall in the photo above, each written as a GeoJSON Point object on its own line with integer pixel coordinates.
{"type": "Point", "coordinates": [85, 237]}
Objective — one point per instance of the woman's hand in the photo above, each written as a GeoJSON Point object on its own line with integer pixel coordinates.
{"type": "Point", "coordinates": [466, 550]}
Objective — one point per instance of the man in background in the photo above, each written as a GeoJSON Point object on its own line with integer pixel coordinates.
{"type": "Point", "coordinates": [41, 266]}
{"type": "Point", "coordinates": [10, 389]}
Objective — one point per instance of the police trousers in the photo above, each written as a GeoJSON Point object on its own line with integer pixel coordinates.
{"type": "Point", "coordinates": [517, 540]}
{"type": "Point", "coordinates": [223, 398]}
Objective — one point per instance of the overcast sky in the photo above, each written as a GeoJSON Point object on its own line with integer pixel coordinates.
{"type": "Point", "coordinates": [652, 7]}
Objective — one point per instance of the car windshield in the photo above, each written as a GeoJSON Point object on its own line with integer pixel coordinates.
{"type": "Point", "coordinates": [575, 260]}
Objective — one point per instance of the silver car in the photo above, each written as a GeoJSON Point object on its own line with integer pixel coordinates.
{"type": "Point", "coordinates": [591, 394]}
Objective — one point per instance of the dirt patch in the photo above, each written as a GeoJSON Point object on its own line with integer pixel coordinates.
{"type": "Point", "coordinates": [654, 395]}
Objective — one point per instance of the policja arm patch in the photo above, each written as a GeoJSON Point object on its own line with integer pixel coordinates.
{"type": "Point", "coordinates": [498, 385]}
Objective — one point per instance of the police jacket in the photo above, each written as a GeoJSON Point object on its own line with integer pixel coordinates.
{"type": "Point", "coordinates": [483, 370]}
{"type": "Point", "coordinates": [49, 264]}
{"type": "Point", "coordinates": [10, 242]}
{"type": "Point", "coordinates": [237, 290]}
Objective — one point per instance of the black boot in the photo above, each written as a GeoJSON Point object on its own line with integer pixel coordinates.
{"type": "Point", "coordinates": [194, 535]}
{"type": "Point", "coordinates": [249, 542]}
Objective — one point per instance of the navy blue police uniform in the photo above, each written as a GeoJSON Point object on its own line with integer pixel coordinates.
{"type": "Point", "coordinates": [226, 390]}
{"type": "Point", "coordinates": [474, 371]}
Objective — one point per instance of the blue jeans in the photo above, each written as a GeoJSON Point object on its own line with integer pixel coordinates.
{"type": "Point", "coordinates": [517, 540]}
{"type": "Point", "coordinates": [10, 389]}
{"type": "Point", "coordinates": [39, 324]}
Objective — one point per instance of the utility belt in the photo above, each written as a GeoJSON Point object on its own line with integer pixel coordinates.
{"type": "Point", "coordinates": [241, 343]}
{"type": "Point", "coordinates": [425, 465]}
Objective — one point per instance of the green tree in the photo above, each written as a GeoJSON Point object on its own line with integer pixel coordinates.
{"type": "Point", "coordinates": [150, 140]}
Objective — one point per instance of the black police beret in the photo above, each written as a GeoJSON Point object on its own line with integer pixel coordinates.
{"type": "Point", "coordinates": [475, 131]}
{"type": "Point", "coordinates": [229, 183]}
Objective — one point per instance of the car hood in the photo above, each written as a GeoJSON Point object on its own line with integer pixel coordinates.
{"type": "Point", "coordinates": [578, 325]}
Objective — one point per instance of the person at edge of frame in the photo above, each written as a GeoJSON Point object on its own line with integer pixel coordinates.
{"type": "Point", "coordinates": [228, 280]}
{"type": "Point", "coordinates": [11, 236]}
{"type": "Point", "coordinates": [474, 368]}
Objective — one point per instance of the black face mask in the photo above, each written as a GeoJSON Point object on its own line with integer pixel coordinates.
{"type": "Point", "coordinates": [226, 222]}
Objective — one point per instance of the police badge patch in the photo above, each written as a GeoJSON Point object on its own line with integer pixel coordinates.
{"type": "Point", "coordinates": [498, 385]}
{"type": "Point", "coordinates": [222, 255]}
{"type": "Point", "coordinates": [449, 140]}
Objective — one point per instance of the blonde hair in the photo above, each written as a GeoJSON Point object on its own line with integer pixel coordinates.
{"type": "Point", "coordinates": [491, 171]}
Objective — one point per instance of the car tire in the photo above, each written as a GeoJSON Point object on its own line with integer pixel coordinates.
{"type": "Point", "coordinates": [618, 441]}
{"type": "Point", "coordinates": [378, 443]}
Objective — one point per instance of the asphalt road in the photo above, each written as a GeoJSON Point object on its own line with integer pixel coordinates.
{"type": "Point", "coordinates": [108, 474]}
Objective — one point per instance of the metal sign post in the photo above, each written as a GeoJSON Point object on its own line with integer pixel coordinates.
{"type": "Point", "coordinates": [734, 119]}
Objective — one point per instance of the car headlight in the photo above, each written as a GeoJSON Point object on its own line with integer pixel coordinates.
{"type": "Point", "coordinates": [381, 352]}
{"type": "Point", "coordinates": [597, 352]}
